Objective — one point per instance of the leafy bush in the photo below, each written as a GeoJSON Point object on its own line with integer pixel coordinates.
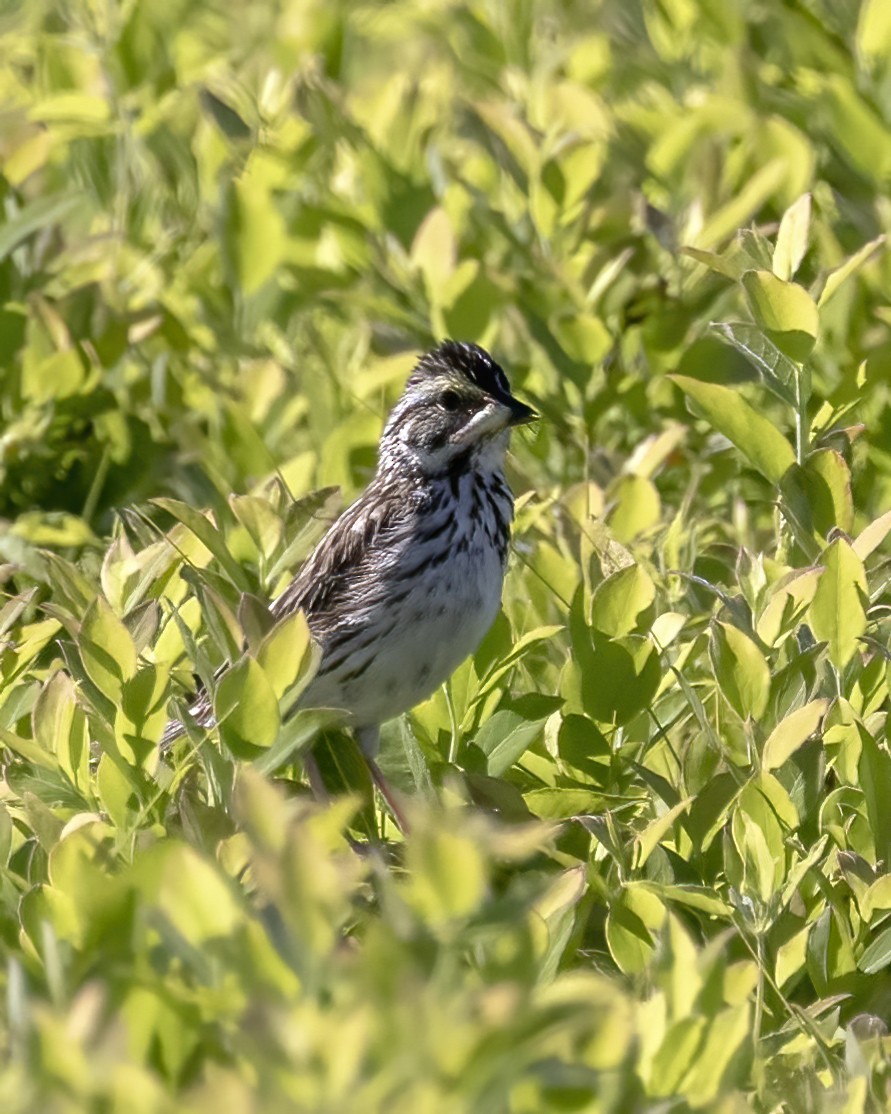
{"type": "Point", "coordinates": [648, 867]}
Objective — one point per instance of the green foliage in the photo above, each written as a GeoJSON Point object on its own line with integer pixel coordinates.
{"type": "Point", "coordinates": [650, 847]}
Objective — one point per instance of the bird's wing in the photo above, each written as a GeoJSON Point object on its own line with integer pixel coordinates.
{"type": "Point", "coordinates": [346, 562]}
{"type": "Point", "coordinates": [342, 574]}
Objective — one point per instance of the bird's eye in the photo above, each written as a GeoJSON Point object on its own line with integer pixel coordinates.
{"type": "Point", "coordinates": [450, 400]}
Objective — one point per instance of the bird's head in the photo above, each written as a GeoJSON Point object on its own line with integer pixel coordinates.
{"type": "Point", "coordinates": [457, 410]}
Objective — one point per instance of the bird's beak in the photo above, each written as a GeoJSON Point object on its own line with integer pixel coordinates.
{"type": "Point", "coordinates": [495, 417]}
{"type": "Point", "coordinates": [520, 413]}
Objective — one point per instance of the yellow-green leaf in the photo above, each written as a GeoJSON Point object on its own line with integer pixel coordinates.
{"type": "Point", "coordinates": [828, 486]}
{"type": "Point", "coordinates": [872, 536]}
{"type": "Point", "coordinates": [286, 652]}
{"type": "Point", "coordinates": [583, 337]}
{"type": "Point", "coordinates": [620, 599]}
{"type": "Point", "coordinates": [255, 235]}
{"type": "Point", "coordinates": [631, 925]}
{"type": "Point", "coordinates": [448, 876]}
{"type": "Point", "coordinates": [257, 516]}
{"type": "Point", "coordinates": [837, 613]}
{"type": "Point", "coordinates": [786, 312]}
{"type": "Point", "coordinates": [730, 414]}
{"type": "Point", "coordinates": [246, 707]}
{"type": "Point", "coordinates": [635, 507]}
{"type": "Point", "coordinates": [742, 672]}
{"type": "Point", "coordinates": [106, 648]}
{"type": "Point", "coordinates": [791, 733]}
{"type": "Point", "coordinates": [792, 238]}
{"type": "Point", "coordinates": [647, 840]}
{"type": "Point", "coordinates": [189, 891]}
{"type": "Point", "coordinates": [850, 267]}
{"type": "Point", "coordinates": [874, 30]}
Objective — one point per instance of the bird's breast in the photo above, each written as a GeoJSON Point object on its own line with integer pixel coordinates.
{"type": "Point", "coordinates": [438, 595]}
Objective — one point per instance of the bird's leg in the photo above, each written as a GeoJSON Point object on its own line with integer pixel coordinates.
{"type": "Point", "coordinates": [369, 739]}
{"type": "Point", "coordinates": [315, 779]}
{"type": "Point", "coordinates": [389, 794]}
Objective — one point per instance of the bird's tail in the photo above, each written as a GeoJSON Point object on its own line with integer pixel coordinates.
{"type": "Point", "coordinates": [201, 711]}
{"type": "Point", "coordinates": [172, 732]}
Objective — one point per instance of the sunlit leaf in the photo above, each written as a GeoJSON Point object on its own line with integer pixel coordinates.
{"type": "Point", "coordinates": [246, 708]}
{"type": "Point", "coordinates": [837, 612]}
{"type": "Point", "coordinates": [753, 435]}
{"type": "Point", "coordinates": [255, 234]}
{"type": "Point", "coordinates": [792, 733]}
{"type": "Point", "coordinates": [785, 311]}
{"type": "Point", "coordinates": [792, 238]}
{"type": "Point", "coordinates": [741, 670]}
{"type": "Point", "coordinates": [620, 599]}
{"type": "Point", "coordinates": [107, 649]}
{"type": "Point", "coordinates": [835, 278]}
{"type": "Point", "coordinates": [447, 876]}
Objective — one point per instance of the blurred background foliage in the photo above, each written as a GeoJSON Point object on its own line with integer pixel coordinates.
{"type": "Point", "coordinates": [649, 868]}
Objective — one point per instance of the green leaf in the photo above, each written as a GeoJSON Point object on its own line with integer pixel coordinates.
{"type": "Point", "coordinates": [636, 507]}
{"type": "Point", "coordinates": [583, 337]}
{"type": "Point", "coordinates": [298, 733]}
{"type": "Point", "coordinates": [875, 779]}
{"type": "Point", "coordinates": [41, 213]}
{"type": "Point", "coordinates": [255, 234]}
{"type": "Point", "coordinates": [645, 842]}
{"type": "Point", "coordinates": [729, 266]}
{"type": "Point", "coordinates": [727, 1034]}
{"type": "Point", "coordinates": [631, 925]}
{"type": "Point", "coordinates": [876, 898]}
{"type": "Point", "coordinates": [504, 738]}
{"type": "Point", "coordinates": [246, 708]}
{"type": "Point", "coordinates": [556, 908]}
{"type": "Point", "coordinates": [778, 373]}
{"type": "Point", "coordinates": [837, 615]}
{"type": "Point", "coordinates": [560, 804]}
{"type": "Point", "coordinates": [756, 437]}
{"type": "Point", "coordinates": [872, 536]}
{"type": "Point", "coordinates": [745, 203]}
{"type": "Point", "coordinates": [827, 481]}
{"type": "Point", "coordinates": [447, 874]}
{"type": "Point", "coordinates": [106, 648]}
{"type": "Point", "coordinates": [260, 520]}
{"type": "Point", "coordinates": [57, 377]}
{"type": "Point", "coordinates": [60, 728]}
{"type": "Point", "coordinates": [620, 600]}
{"type": "Point", "coordinates": [874, 31]}
{"type": "Point", "coordinates": [116, 792]}
{"type": "Point", "coordinates": [877, 955]}
{"type": "Point", "coordinates": [613, 679]}
{"type": "Point", "coordinates": [792, 238]}
{"type": "Point", "coordinates": [288, 654]}
{"type": "Point", "coordinates": [142, 713]}
{"type": "Point", "coordinates": [188, 891]}
{"type": "Point", "coordinates": [207, 533]}
{"type": "Point", "coordinates": [741, 671]}
{"type": "Point", "coordinates": [434, 251]}
{"type": "Point", "coordinates": [5, 835]}
{"type": "Point", "coordinates": [761, 865]}
{"type": "Point", "coordinates": [791, 733]}
{"type": "Point", "coordinates": [789, 598]}
{"type": "Point", "coordinates": [701, 898]}
{"type": "Point", "coordinates": [507, 661]}
{"type": "Point", "coordinates": [786, 312]}
{"type": "Point", "coordinates": [835, 278]}
{"type": "Point", "coordinates": [224, 116]}
{"type": "Point", "coordinates": [676, 1055]}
